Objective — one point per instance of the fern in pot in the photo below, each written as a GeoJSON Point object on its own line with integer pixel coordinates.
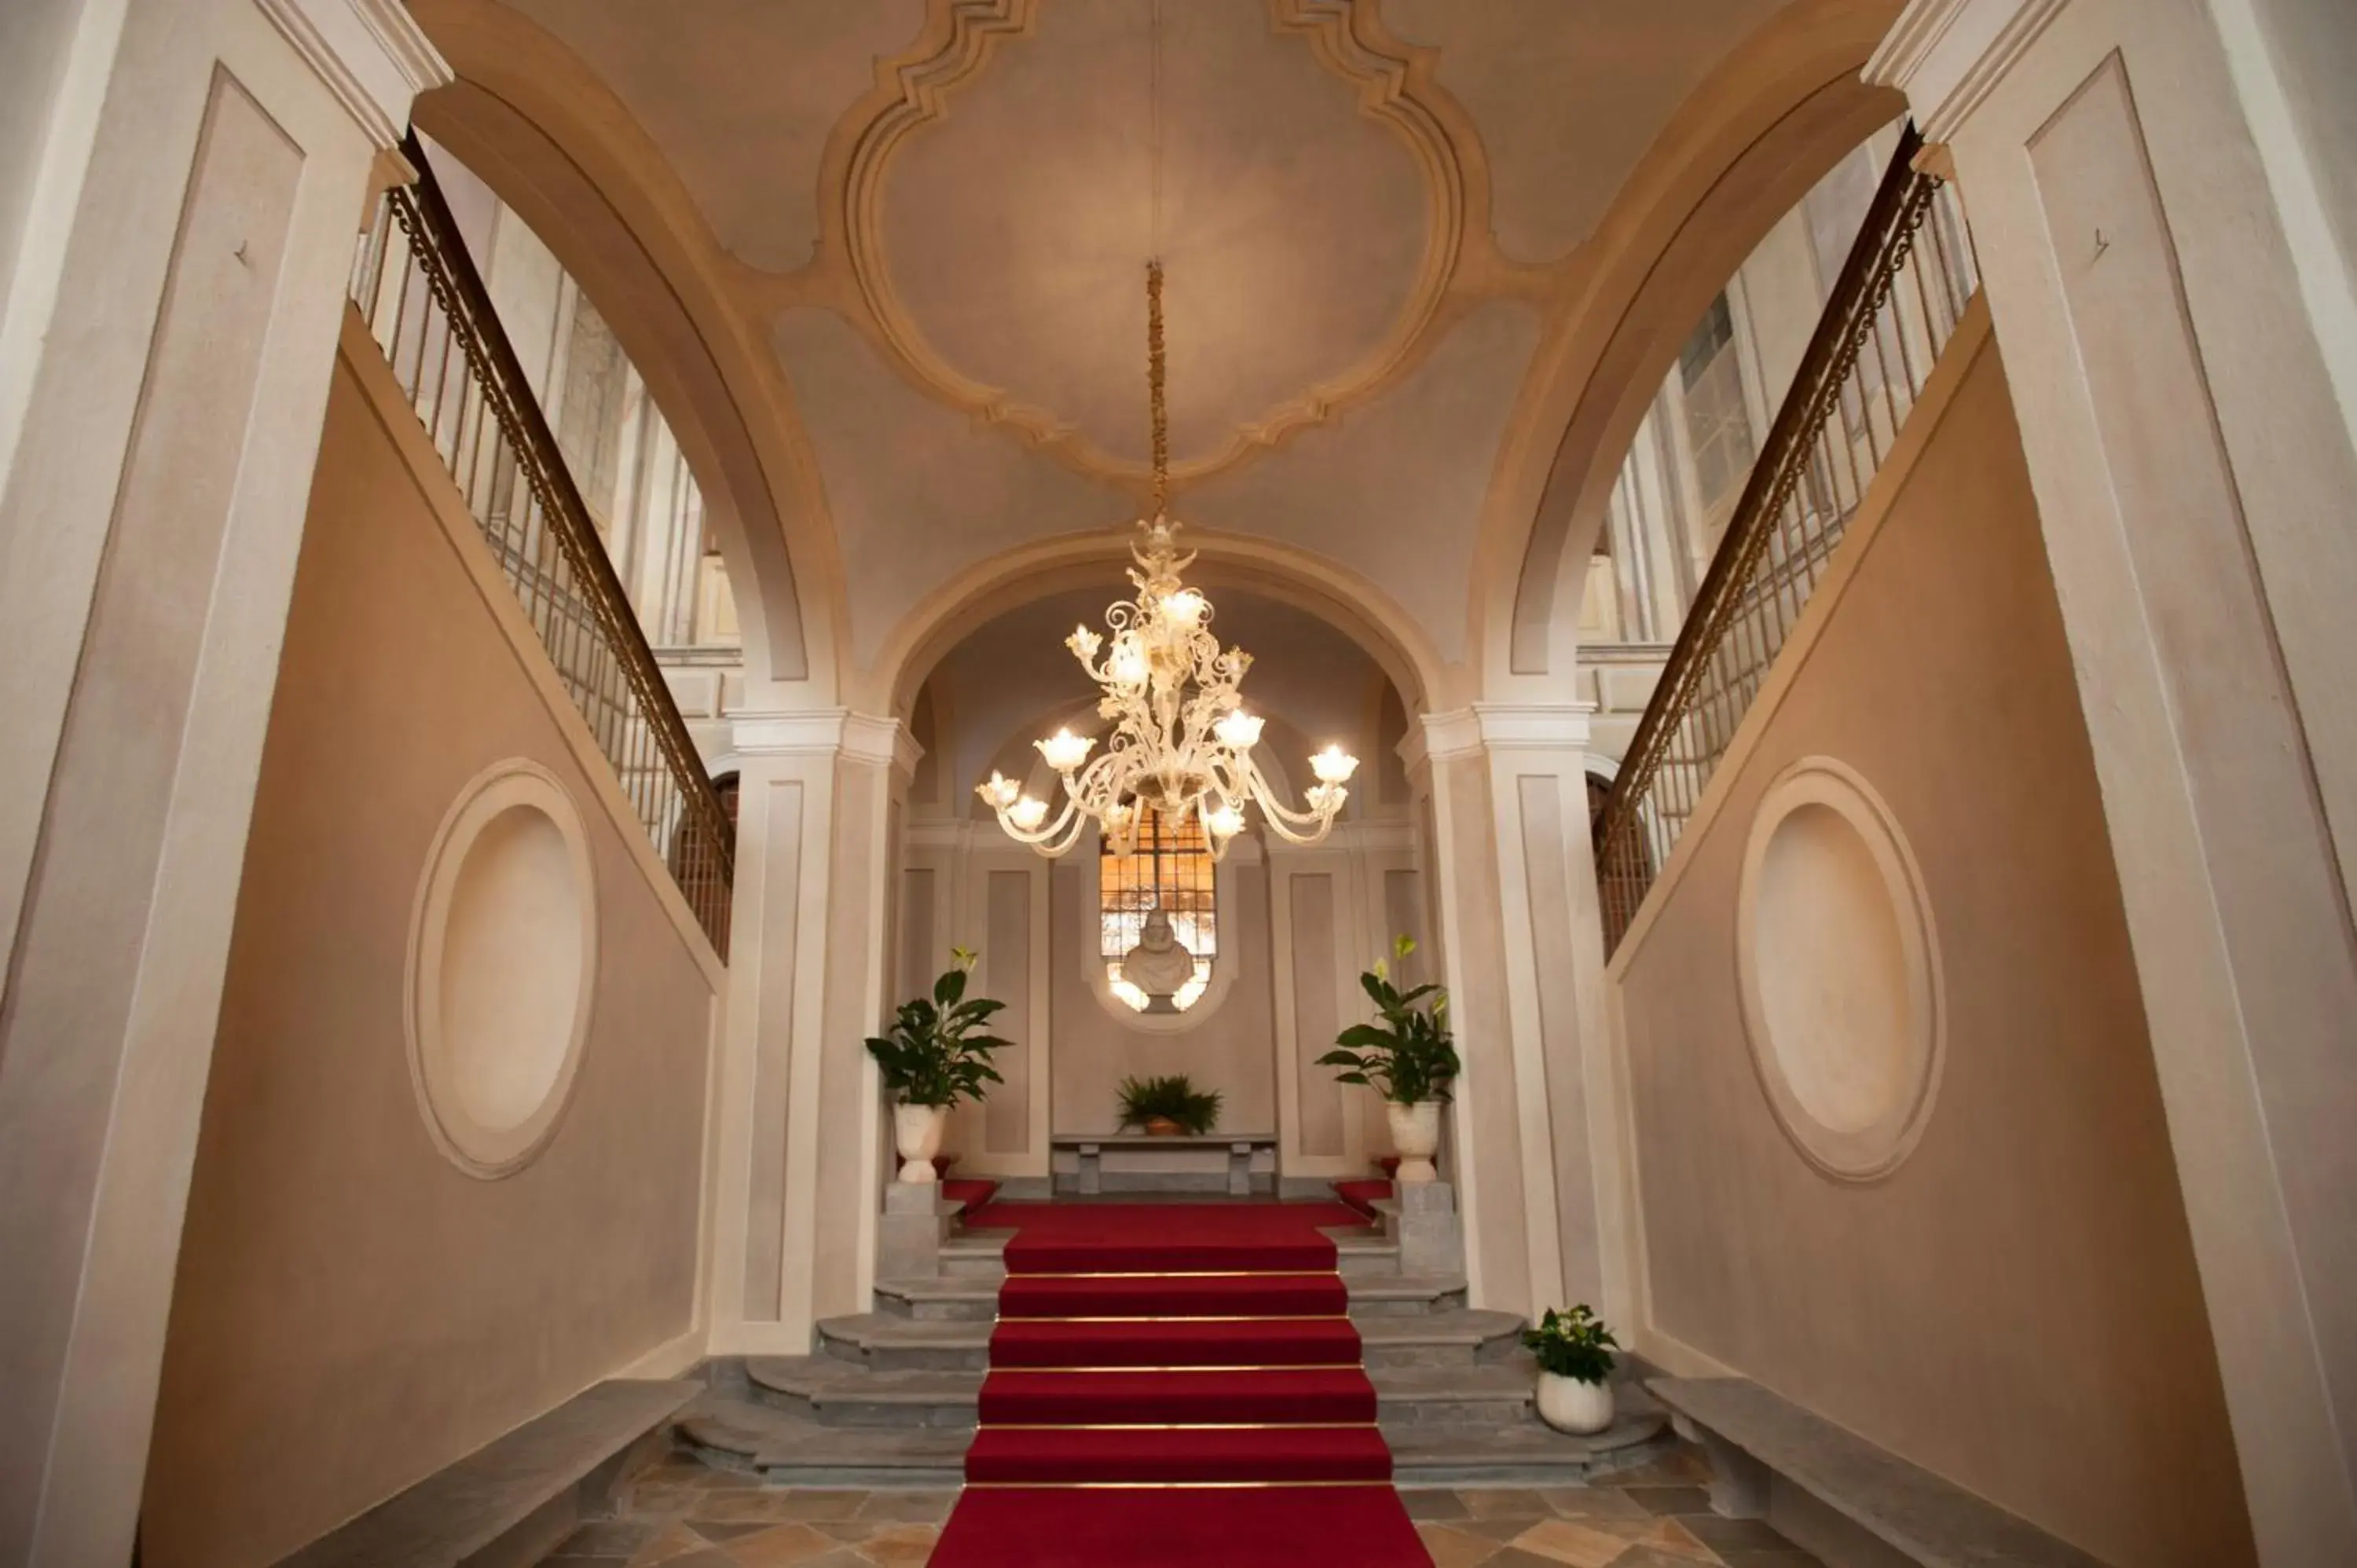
{"type": "Point", "coordinates": [1167, 1107]}
{"type": "Point", "coordinates": [1574, 1355]}
{"type": "Point", "coordinates": [932, 1058]}
{"type": "Point", "coordinates": [1407, 1056]}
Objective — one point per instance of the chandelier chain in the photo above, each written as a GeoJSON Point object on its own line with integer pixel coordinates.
{"type": "Point", "coordinates": [1156, 402]}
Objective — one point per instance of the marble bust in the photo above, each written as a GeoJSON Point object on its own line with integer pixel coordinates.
{"type": "Point", "coordinates": [1158, 965]}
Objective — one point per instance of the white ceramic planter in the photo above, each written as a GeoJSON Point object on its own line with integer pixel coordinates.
{"type": "Point", "coordinates": [917, 1133]}
{"type": "Point", "coordinates": [1569, 1405]}
{"type": "Point", "coordinates": [1415, 1137]}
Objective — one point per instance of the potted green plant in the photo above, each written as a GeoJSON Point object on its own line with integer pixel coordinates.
{"type": "Point", "coordinates": [1167, 1107]}
{"type": "Point", "coordinates": [1574, 1354]}
{"type": "Point", "coordinates": [1407, 1056]}
{"type": "Point", "coordinates": [933, 1057]}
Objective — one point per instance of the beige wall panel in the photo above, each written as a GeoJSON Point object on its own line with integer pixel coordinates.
{"type": "Point", "coordinates": [780, 803]}
{"type": "Point", "coordinates": [847, 1194]}
{"type": "Point", "coordinates": [1546, 864]}
{"type": "Point", "coordinates": [922, 961]}
{"type": "Point", "coordinates": [1315, 1021]}
{"type": "Point", "coordinates": [1006, 975]}
{"type": "Point", "coordinates": [1234, 1049]}
{"type": "Point", "coordinates": [352, 1312]}
{"type": "Point", "coordinates": [2016, 1307]}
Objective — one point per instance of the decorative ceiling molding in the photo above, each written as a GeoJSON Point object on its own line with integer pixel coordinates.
{"type": "Point", "coordinates": [371, 54]}
{"type": "Point", "coordinates": [1394, 86]}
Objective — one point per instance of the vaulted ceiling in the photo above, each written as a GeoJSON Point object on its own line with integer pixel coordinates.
{"type": "Point", "coordinates": [912, 236]}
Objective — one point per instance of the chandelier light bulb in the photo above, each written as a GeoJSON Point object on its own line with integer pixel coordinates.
{"type": "Point", "coordinates": [1065, 751]}
{"type": "Point", "coordinates": [1186, 606]}
{"type": "Point", "coordinates": [1128, 661]}
{"type": "Point", "coordinates": [1239, 731]}
{"type": "Point", "coordinates": [1000, 792]}
{"type": "Point", "coordinates": [1224, 823]}
{"type": "Point", "coordinates": [1028, 813]}
{"type": "Point", "coordinates": [1334, 766]}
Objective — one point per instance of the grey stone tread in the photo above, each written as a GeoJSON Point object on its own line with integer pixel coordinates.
{"type": "Point", "coordinates": [1506, 1383]}
{"type": "Point", "coordinates": [1357, 1239]}
{"type": "Point", "coordinates": [1371, 1287]}
{"type": "Point", "coordinates": [1469, 1448]}
{"type": "Point", "coordinates": [773, 1439]}
{"type": "Point", "coordinates": [1930, 1520]}
{"type": "Point", "coordinates": [465, 1506]}
{"type": "Point", "coordinates": [1459, 1325]}
{"type": "Point", "coordinates": [824, 1378]}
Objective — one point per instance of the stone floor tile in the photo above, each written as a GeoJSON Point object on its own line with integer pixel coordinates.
{"type": "Point", "coordinates": [662, 1496]}
{"type": "Point", "coordinates": [1593, 1502]}
{"type": "Point", "coordinates": [1435, 1504]}
{"type": "Point", "coordinates": [1505, 1527]}
{"type": "Point", "coordinates": [670, 1544]}
{"type": "Point", "coordinates": [841, 1557]}
{"type": "Point", "coordinates": [1564, 1541]}
{"type": "Point", "coordinates": [1516, 1557]}
{"type": "Point", "coordinates": [1646, 1557]}
{"type": "Point", "coordinates": [781, 1545]}
{"type": "Point", "coordinates": [1789, 1557]}
{"type": "Point", "coordinates": [720, 1532]}
{"type": "Point", "coordinates": [1452, 1548]}
{"type": "Point", "coordinates": [1666, 1536]}
{"type": "Point", "coordinates": [1681, 1467]}
{"type": "Point", "coordinates": [1494, 1502]}
{"type": "Point", "coordinates": [902, 1546]}
{"type": "Point", "coordinates": [909, 1507]}
{"type": "Point", "coordinates": [607, 1538]}
{"type": "Point", "coordinates": [782, 1506]}
{"type": "Point", "coordinates": [1755, 1534]}
{"type": "Point", "coordinates": [1671, 1499]}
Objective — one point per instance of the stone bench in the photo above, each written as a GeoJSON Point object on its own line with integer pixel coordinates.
{"type": "Point", "coordinates": [1757, 1440]}
{"type": "Point", "coordinates": [1090, 1147]}
{"type": "Point", "coordinates": [514, 1501]}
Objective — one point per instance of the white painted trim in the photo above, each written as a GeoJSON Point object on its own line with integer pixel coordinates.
{"type": "Point", "coordinates": [1501, 727]}
{"type": "Point", "coordinates": [1947, 55]}
{"type": "Point", "coordinates": [358, 353]}
{"type": "Point", "coordinates": [675, 1356]}
{"type": "Point", "coordinates": [860, 737]}
{"type": "Point", "coordinates": [1525, 1023]}
{"type": "Point", "coordinates": [371, 54]}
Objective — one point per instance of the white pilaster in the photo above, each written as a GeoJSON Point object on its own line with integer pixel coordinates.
{"type": "Point", "coordinates": [168, 344]}
{"type": "Point", "coordinates": [2173, 335]}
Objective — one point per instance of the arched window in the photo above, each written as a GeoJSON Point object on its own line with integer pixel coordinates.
{"type": "Point", "coordinates": [1168, 868]}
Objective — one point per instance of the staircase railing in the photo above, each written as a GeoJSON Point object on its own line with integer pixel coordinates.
{"type": "Point", "coordinates": [426, 304]}
{"type": "Point", "coordinates": [1906, 285]}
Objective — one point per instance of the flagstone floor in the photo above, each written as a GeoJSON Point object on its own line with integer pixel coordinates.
{"type": "Point", "coordinates": [684, 1515]}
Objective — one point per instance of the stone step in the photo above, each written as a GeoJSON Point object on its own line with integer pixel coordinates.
{"type": "Point", "coordinates": [975, 1255]}
{"type": "Point", "coordinates": [1359, 1251]}
{"type": "Point", "coordinates": [888, 1342]}
{"type": "Point", "coordinates": [971, 1299]}
{"type": "Point", "coordinates": [833, 1393]}
{"type": "Point", "coordinates": [787, 1448]}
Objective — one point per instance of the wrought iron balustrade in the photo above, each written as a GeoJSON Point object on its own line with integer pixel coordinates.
{"type": "Point", "coordinates": [426, 304]}
{"type": "Point", "coordinates": [1906, 285]}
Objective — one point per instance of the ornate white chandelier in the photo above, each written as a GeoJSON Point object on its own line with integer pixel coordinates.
{"type": "Point", "coordinates": [1181, 740]}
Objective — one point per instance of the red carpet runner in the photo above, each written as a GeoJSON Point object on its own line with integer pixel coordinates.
{"type": "Point", "coordinates": [1175, 1384]}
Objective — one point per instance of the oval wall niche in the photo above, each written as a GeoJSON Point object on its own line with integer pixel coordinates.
{"type": "Point", "coordinates": [1838, 971]}
{"type": "Point", "coordinates": [503, 967]}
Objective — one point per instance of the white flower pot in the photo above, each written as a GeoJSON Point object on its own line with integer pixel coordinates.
{"type": "Point", "coordinates": [917, 1133]}
{"type": "Point", "coordinates": [1415, 1137]}
{"type": "Point", "coordinates": [1569, 1405]}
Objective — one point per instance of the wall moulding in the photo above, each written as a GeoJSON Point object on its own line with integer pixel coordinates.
{"type": "Point", "coordinates": [1948, 54]}
{"type": "Point", "coordinates": [1394, 86]}
{"type": "Point", "coordinates": [371, 54]}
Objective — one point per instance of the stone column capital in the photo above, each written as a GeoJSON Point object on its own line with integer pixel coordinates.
{"type": "Point", "coordinates": [1496, 727]}
{"type": "Point", "coordinates": [826, 732]}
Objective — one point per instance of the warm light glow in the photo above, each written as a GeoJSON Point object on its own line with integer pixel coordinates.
{"type": "Point", "coordinates": [1066, 751]}
{"type": "Point", "coordinates": [1239, 731]}
{"type": "Point", "coordinates": [1224, 823]}
{"type": "Point", "coordinates": [1000, 792]}
{"type": "Point", "coordinates": [1028, 813]}
{"type": "Point", "coordinates": [1334, 766]}
{"type": "Point", "coordinates": [1186, 606]}
{"type": "Point", "coordinates": [1128, 666]}
{"type": "Point", "coordinates": [1085, 643]}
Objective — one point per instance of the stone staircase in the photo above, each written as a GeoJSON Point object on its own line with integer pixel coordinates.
{"type": "Point", "coordinates": [889, 1396]}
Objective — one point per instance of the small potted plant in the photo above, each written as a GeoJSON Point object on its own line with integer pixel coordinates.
{"type": "Point", "coordinates": [1166, 1107]}
{"type": "Point", "coordinates": [1574, 1353]}
{"type": "Point", "coordinates": [932, 1059]}
{"type": "Point", "coordinates": [1406, 1056]}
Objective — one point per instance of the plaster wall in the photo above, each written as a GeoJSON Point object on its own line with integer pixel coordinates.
{"type": "Point", "coordinates": [35, 36]}
{"type": "Point", "coordinates": [2016, 1307]}
{"type": "Point", "coordinates": [352, 1312]}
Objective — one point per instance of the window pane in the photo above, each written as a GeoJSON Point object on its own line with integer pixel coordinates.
{"type": "Point", "coordinates": [1170, 869]}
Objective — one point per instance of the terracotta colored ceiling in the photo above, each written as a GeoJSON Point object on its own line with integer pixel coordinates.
{"type": "Point", "coordinates": [937, 212]}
